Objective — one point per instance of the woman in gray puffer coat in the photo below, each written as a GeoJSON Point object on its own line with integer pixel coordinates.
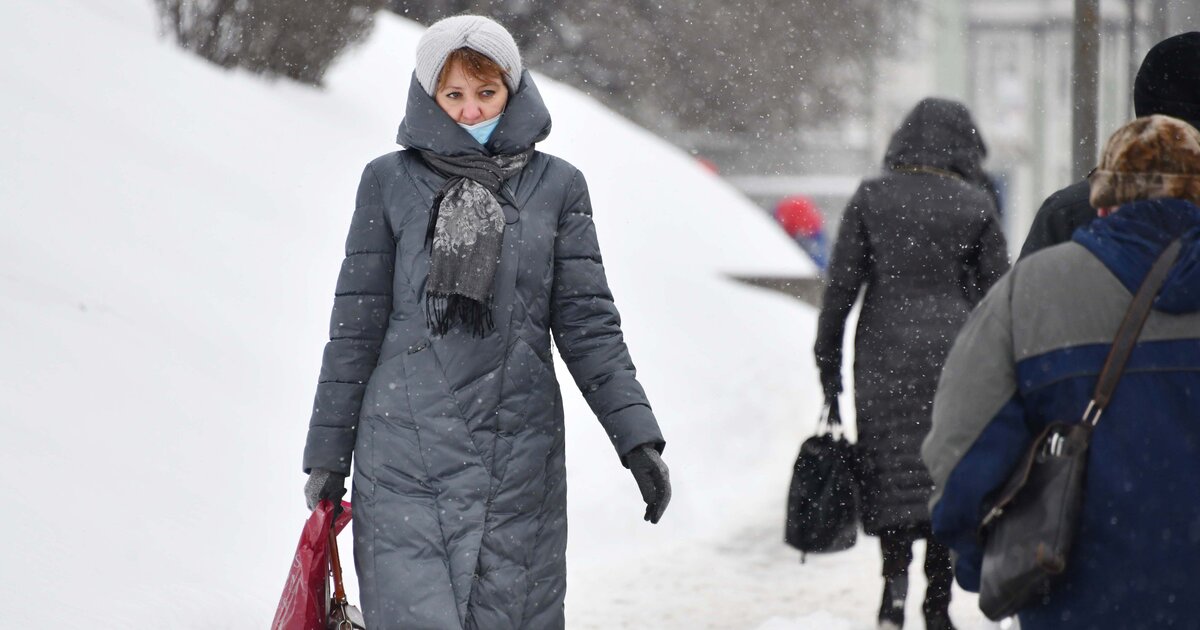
{"type": "Point", "coordinates": [925, 242]}
{"type": "Point", "coordinates": [466, 251]}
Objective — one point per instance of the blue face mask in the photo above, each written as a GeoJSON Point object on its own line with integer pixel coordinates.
{"type": "Point", "coordinates": [481, 131]}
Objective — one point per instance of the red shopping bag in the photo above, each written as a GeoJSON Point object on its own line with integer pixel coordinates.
{"type": "Point", "coordinates": [302, 606]}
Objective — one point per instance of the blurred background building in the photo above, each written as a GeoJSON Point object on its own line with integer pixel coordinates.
{"type": "Point", "coordinates": [1018, 83]}
{"type": "Point", "coordinates": [781, 97]}
{"type": "Point", "coordinates": [1010, 61]}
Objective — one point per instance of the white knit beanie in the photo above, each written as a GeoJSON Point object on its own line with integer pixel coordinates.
{"type": "Point", "coordinates": [466, 31]}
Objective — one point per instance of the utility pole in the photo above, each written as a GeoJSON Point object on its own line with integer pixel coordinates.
{"type": "Point", "coordinates": [1158, 21]}
{"type": "Point", "coordinates": [1131, 37]}
{"type": "Point", "coordinates": [1085, 86]}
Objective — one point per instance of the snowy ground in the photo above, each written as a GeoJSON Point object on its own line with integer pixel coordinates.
{"type": "Point", "coordinates": [746, 579]}
{"type": "Point", "coordinates": [169, 238]}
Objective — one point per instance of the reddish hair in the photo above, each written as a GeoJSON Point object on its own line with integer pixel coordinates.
{"type": "Point", "coordinates": [474, 64]}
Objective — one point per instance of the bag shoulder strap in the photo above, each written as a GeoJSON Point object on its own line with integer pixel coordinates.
{"type": "Point", "coordinates": [1131, 328]}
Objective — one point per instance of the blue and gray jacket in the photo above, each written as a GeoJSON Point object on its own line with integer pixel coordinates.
{"type": "Point", "coordinates": [1030, 354]}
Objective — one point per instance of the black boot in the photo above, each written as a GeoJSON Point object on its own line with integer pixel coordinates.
{"type": "Point", "coordinates": [938, 620]}
{"type": "Point", "coordinates": [937, 596]}
{"type": "Point", "coordinates": [897, 555]}
{"type": "Point", "coordinates": [891, 610]}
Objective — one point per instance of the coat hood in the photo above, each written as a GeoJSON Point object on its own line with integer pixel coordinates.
{"type": "Point", "coordinates": [1129, 241]}
{"type": "Point", "coordinates": [938, 133]}
{"type": "Point", "coordinates": [426, 127]}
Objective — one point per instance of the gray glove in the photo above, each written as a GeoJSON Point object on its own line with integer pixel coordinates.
{"type": "Point", "coordinates": [653, 479]}
{"type": "Point", "coordinates": [324, 484]}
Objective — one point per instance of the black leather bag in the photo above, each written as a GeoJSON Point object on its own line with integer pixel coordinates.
{"type": "Point", "coordinates": [1029, 529]}
{"type": "Point", "coordinates": [822, 507]}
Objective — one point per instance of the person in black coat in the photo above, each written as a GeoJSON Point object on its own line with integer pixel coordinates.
{"type": "Point", "coordinates": [1167, 83]}
{"type": "Point", "coordinates": [925, 242]}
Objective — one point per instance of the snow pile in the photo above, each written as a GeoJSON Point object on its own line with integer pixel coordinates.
{"type": "Point", "coordinates": [170, 234]}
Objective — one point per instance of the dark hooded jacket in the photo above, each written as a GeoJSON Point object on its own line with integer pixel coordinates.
{"type": "Point", "coordinates": [925, 243]}
{"type": "Point", "coordinates": [1030, 355]}
{"type": "Point", "coordinates": [1059, 216]}
{"type": "Point", "coordinates": [459, 482]}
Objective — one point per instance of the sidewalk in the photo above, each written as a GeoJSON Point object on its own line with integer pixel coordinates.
{"type": "Point", "coordinates": [748, 580]}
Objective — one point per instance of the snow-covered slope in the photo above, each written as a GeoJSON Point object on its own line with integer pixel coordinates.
{"type": "Point", "coordinates": [169, 238]}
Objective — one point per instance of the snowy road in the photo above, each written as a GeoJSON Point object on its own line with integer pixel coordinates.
{"type": "Point", "coordinates": [747, 579]}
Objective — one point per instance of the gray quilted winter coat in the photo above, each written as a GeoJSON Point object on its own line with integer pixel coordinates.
{"type": "Point", "coordinates": [459, 484]}
{"type": "Point", "coordinates": [925, 242]}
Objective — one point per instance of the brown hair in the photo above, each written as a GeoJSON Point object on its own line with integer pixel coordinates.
{"type": "Point", "coordinates": [475, 64]}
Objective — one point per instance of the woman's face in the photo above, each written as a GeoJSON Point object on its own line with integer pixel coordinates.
{"type": "Point", "coordinates": [469, 100]}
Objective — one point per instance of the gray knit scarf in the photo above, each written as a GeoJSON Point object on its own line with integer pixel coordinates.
{"type": "Point", "coordinates": [466, 230]}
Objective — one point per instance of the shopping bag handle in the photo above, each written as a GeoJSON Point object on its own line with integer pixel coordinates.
{"type": "Point", "coordinates": [833, 411]}
{"type": "Point", "coordinates": [831, 417]}
{"type": "Point", "coordinates": [335, 567]}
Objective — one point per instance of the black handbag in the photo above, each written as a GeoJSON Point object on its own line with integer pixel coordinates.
{"type": "Point", "coordinates": [822, 507]}
{"type": "Point", "coordinates": [1029, 529]}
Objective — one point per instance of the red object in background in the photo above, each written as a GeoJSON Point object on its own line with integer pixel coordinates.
{"type": "Point", "coordinates": [799, 216]}
{"type": "Point", "coordinates": [302, 605]}
{"type": "Point", "coordinates": [709, 165]}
